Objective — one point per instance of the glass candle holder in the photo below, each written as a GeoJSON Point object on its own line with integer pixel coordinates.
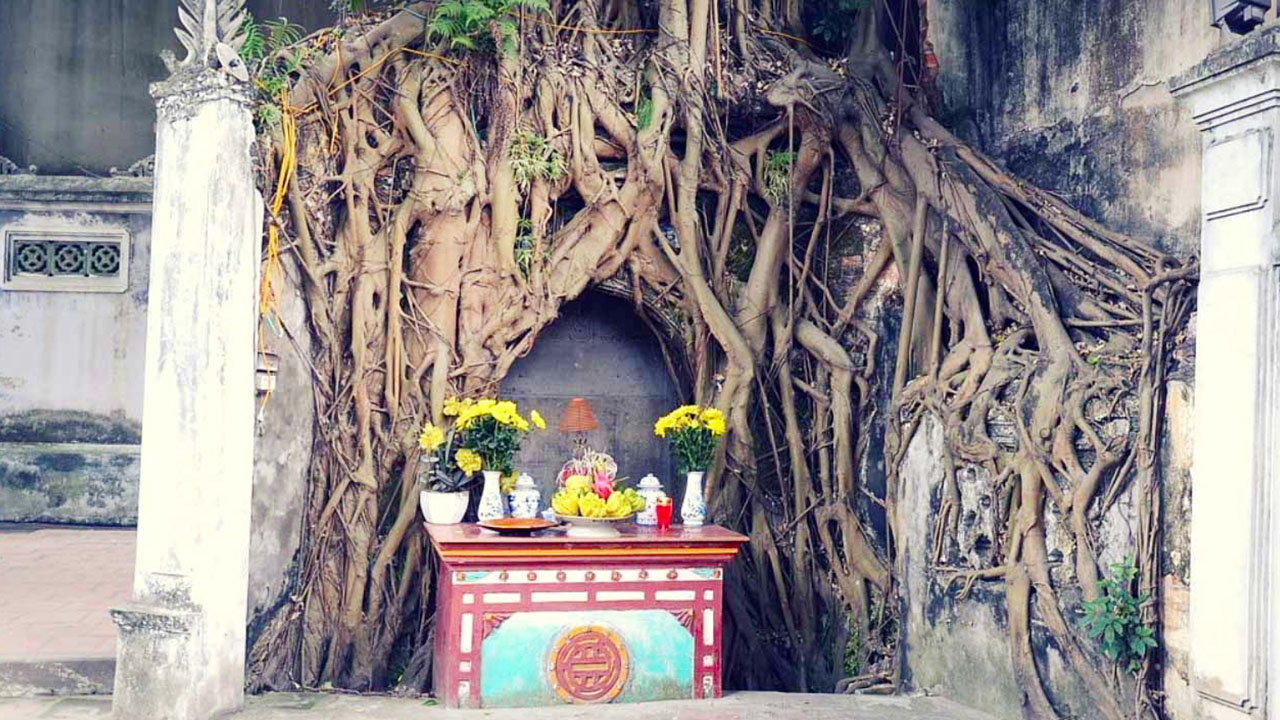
{"type": "Point", "coordinates": [663, 509]}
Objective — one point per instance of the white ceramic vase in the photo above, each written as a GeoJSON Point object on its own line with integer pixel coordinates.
{"type": "Point", "coordinates": [443, 508]}
{"type": "Point", "coordinates": [693, 511]}
{"type": "Point", "coordinates": [491, 505]}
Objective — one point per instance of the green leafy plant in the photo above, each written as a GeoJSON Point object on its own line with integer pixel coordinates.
{"type": "Point", "coordinates": [777, 175]}
{"type": "Point", "coordinates": [474, 24]}
{"type": "Point", "coordinates": [266, 38]}
{"type": "Point", "coordinates": [263, 53]}
{"type": "Point", "coordinates": [836, 23]}
{"type": "Point", "coordinates": [440, 471]}
{"type": "Point", "coordinates": [532, 157]}
{"type": "Point", "coordinates": [644, 111]}
{"type": "Point", "coordinates": [1114, 619]}
{"type": "Point", "coordinates": [853, 652]}
{"type": "Point", "coordinates": [524, 246]}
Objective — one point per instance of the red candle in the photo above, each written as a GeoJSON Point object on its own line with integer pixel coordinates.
{"type": "Point", "coordinates": [663, 509]}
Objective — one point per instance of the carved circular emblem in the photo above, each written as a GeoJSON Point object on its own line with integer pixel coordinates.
{"type": "Point", "coordinates": [588, 664]}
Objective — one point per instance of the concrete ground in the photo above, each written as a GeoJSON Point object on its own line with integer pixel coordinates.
{"type": "Point", "coordinates": [736, 706]}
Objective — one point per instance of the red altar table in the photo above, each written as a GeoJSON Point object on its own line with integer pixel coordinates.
{"type": "Point", "coordinates": [551, 619]}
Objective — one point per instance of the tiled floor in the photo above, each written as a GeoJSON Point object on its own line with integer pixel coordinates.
{"type": "Point", "coordinates": [56, 586]}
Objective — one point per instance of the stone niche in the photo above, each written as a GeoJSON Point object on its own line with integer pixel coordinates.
{"type": "Point", "coordinates": [601, 350]}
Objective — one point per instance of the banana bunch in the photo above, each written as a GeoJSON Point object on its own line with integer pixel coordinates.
{"type": "Point", "coordinates": [565, 502]}
{"type": "Point", "coordinates": [593, 506]}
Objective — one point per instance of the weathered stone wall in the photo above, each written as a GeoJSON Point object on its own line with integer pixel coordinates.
{"type": "Point", "coordinates": [74, 77]}
{"type": "Point", "coordinates": [1073, 97]}
{"type": "Point", "coordinates": [71, 362]}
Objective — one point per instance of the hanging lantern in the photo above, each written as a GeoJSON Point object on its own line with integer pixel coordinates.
{"type": "Point", "coordinates": [577, 419]}
{"type": "Point", "coordinates": [1239, 16]}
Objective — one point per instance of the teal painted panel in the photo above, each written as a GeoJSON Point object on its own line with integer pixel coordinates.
{"type": "Point", "coordinates": [514, 667]}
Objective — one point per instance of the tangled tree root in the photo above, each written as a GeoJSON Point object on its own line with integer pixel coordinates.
{"type": "Point", "coordinates": [699, 169]}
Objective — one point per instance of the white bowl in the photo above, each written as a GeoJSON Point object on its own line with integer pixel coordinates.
{"type": "Point", "coordinates": [580, 526]}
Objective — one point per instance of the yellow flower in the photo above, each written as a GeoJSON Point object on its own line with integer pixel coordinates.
{"type": "Point", "coordinates": [468, 461]}
{"type": "Point", "coordinates": [505, 413]}
{"type": "Point", "coordinates": [454, 406]}
{"type": "Point", "coordinates": [431, 437]}
{"type": "Point", "coordinates": [507, 483]}
{"type": "Point", "coordinates": [714, 420]}
{"type": "Point", "coordinates": [537, 420]}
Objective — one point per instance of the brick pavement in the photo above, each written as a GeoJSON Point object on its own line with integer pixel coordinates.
{"type": "Point", "coordinates": [56, 586]}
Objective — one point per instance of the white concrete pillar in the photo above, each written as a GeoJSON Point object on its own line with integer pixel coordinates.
{"type": "Point", "coordinates": [182, 639]}
{"type": "Point", "coordinates": [1235, 100]}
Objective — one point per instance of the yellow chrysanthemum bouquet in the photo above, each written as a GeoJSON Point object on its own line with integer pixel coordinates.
{"type": "Point", "coordinates": [693, 431]}
{"type": "Point", "coordinates": [481, 434]}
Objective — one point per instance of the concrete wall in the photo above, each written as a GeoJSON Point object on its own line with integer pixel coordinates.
{"type": "Point", "coordinates": [600, 350]}
{"type": "Point", "coordinates": [281, 457]}
{"type": "Point", "coordinates": [74, 77]}
{"type": "Point", "coordinates": [71, 363]}
{"type": "Point", "coordinates": [1071, 96]}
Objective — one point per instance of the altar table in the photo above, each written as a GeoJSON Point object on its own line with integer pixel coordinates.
{"type": "Point", "coordinates": [551, 619]}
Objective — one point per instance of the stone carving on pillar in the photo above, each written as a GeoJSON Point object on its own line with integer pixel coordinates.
{"type": "Point", "coordinates": [9, 167]}
{"type": "Point", "coordinates": [203, 25]}
{"type": "Point", "coordinates": [212, 31]}
{"type": "Point", "coordinates": [146, 167]}
{"type": "Point", "coordinates": [1234, 96]}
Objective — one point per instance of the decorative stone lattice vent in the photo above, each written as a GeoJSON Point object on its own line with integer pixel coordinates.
{"type": "Point", "coordinates": [65, 260]}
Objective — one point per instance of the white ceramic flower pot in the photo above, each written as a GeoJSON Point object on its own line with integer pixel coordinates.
{"type": "Point", "coordinates": [443, 508]}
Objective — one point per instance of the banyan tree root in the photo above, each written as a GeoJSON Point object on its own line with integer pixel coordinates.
{"type": "Point", "coordinates": [694, 157]}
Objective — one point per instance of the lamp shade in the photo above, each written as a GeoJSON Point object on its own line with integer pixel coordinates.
{"type": "Point", "coordinates": [577, 416]}
{"type": "Point", "coordinates": [1240, 16]}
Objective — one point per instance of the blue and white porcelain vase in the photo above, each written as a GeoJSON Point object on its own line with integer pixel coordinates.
{"type": "Point", "coordinates": [693, 511]}
{"type": "Point", "coordinates": [525, 498]}
{"type": "Point", "coordinates": [491, 506]}
{"type": "Point", "coordinates": [651, 491]}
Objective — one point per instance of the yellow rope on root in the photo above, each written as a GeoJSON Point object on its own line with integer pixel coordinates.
{"type": "Point", "coordinates": [272, 271]}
